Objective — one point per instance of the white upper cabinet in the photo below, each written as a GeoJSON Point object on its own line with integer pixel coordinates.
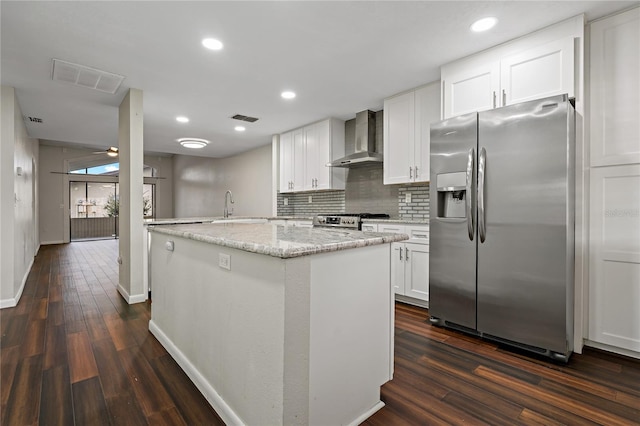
{"type": "Point", "coordinates": [406, 132]}
{"type": "Point", "coordinates": [471, 89]}
{"type": "Point", "coordinates": [304, 153]}
{"type": "Point", "coordinates": [537, 73]}
{"type": "Point", "coordinates": [299, 147]}
{"type": "Point", "coordinates": [535, 66]}
{"type": "Point", "coordinates": [286, 162]}
{"type": "Point", "coordinates": [615, 89]}
{"type": "Point", "coordinates": [399, 136]}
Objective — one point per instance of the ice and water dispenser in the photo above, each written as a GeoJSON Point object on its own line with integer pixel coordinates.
{"type": "Point", "coordinates": [452, 193]}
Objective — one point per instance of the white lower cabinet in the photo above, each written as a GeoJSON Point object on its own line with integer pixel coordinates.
{"type": "Point", "coordinates": [410, 261]}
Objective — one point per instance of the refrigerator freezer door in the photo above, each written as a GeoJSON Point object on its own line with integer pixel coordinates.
{"type": "Point", "coordinates": [525, 263]}
{"type": "Point", "coordinates": [452, 271]}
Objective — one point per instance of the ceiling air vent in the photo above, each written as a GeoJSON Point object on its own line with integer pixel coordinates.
{"type": "Point", "coordinates": [33, 119]}
{"type": "Point", "coordinates": [244, 118]}
{"type": "Point", "coordinates": [84, 76]}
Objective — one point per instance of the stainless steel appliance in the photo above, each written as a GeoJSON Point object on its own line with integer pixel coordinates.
{"type": "Point", "coordinates": [502, 225]}
{"type": "Point", "coordinates": [345, 220]}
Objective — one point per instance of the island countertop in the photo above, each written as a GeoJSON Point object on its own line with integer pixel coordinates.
{"type": "Point", "coordinates": [278, 240]}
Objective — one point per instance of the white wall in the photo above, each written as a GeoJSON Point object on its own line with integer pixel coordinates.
{"type": "Point", "coordinates": [18, 200]}
{"type": "Point", "coordinates": [54, 189]}
{"type": "Point", "coordinates": [199, 184]}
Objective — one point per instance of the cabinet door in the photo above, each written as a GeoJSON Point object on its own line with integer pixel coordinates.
{"type": "Point", "coordinates": [286, 162]}
{"type": "Point", "coordinates": [615, 66]}
{"type": "Point", "coordinates": [614, 263]}
{"type": "Point", "coordinates": [543, 71]}
{"type": "Point", "coordinates": [311, 156]}
{"type": "Point", "coordinates": [299, 160]}
{"type": "Point", "coordinates": [427, 110]}
{"type": "Point", "coordinates": [470, 90]}
{"type": "Point", "coordinates": [323, 155]}
{"type": "Point", "coordinates": [397, 267]}
{"type": "Point", "coordinates": [416, 279]}
{"type": "Point", "coordinates": [399, 134]}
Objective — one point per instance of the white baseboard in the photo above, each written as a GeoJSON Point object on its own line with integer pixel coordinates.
{"type": "Point", "coordinates": [131, 299]}
{"type": "Point", "coordinates": [225, 412]}
{"type": "Point", "coordinates": [614, 349]}
{"type": "Point", "coordinates": [10, 303]}
{"type": "Point", "coordinates": [412, 301]}
{"type": "Point", "coordinates": [47, 243]}
{"type": "Point", "coordinates": [364, 416]}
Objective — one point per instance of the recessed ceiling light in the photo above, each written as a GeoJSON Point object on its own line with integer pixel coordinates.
{"type": "Point", "coordinates": [288, 95]}
{"type": "Point", "coordinates": [484, 24]}
{"type": "Point", "coordinates": [182, 119]}
{"type": "Point", "coordinates": [240, 128]}
{"type": "Point", "coordinates": [193, 143]}
{"type": "Point", "coordinates": [212, 43]}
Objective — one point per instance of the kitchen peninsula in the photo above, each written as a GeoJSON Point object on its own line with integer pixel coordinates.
{"type": "Point", "coordinates": [276, 324]}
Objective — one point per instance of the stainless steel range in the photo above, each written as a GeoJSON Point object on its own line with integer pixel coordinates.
{"type": "Point", "coordinates": [345, 220]}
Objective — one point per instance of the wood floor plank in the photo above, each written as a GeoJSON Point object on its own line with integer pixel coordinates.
{"type": "Point", "coordinates": [125, 410]}
{"type": "Point", "coordinates": [119, 331]}
{"type": "Point", "coordinates": [33, 343]}
{"type": "Point", "coordinates": [15, 331]}
{"type": "Point", "coordinates": [168, 417]}
{"type": "Point", "coordinates": [55, 347]}
{"type": "Point", "coordinates": [190, 402]}
{"type": "Point", "coordinates": [578, 408]}
{"type": "Point", "coordinates": [89, 406]}
{"type": "Point", "coordinates": [56, 407]}
{"type": "Point", "coordinates": [9, 359]}
{"type": "Point", "coordinates": [82, 363]}
{"type": "Point", "coordinates": [24, 400]}
{"type": "Point", "coordinates": [150, 392]}
{"type": "Point", "coordinates": [114, 378]}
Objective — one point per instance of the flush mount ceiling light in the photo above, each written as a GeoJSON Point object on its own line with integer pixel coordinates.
{"type": "Point", "coordinates": [112, 151]}
{"type": "Point", "coordinates": [193, 143]}
{"type": "Point", "coordinates": [239, 128]}
{"type": "Point", "coordinates": [484, 24]}
{"type": "Point", "coordinates": [182, 119]}
{"type": "Point", "coordinates": [288, 95]}
{"type": "Point", "coordinates": [212, 44]}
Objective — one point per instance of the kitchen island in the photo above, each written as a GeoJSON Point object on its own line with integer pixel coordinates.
{"type": "Point", "coordinates": [276, 324]}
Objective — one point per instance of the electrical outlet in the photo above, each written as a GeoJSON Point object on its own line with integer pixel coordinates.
{"type": "Point", "coordinates": [286, 201]}
{"type": "Point", "coordinates": [224, 261]}
{"type": "Point", "coordinates": [407, 197]}
{"type": "Point", "coordinates": [310, 199]}
{"type": "Point", "coordinates": [169, 245]}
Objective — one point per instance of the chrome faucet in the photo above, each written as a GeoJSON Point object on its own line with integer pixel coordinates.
{"type": "Point", "coordinates": [226, 208]}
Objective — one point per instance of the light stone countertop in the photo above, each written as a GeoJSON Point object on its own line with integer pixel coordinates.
{"type": "Point", "coordinates": [209, 219]}
{"type": "Point", "coordinates": [277, 240]}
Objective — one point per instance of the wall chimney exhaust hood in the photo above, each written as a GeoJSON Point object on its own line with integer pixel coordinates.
{"type": "Point", "coordinates": [365, 146]}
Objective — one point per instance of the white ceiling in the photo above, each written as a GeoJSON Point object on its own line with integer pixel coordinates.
{"type": "Point", "coordinates": [339, 57]}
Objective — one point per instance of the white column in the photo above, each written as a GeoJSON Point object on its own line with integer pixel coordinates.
{"type": "Point", "coordinates": [130, 144]}
{"type": "Point", "coordinates": [7, 177]}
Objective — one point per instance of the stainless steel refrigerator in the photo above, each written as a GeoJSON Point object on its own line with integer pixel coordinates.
{"type": "Point", "coordinates": [502, 225]}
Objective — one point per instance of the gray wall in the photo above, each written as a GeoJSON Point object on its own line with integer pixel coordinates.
{"type": "Point", "coordinates": [19, 200]}
{"type": "Point", "coordinates": [200, 183]}
{"type": "Point", "coordinates": [54, 189]}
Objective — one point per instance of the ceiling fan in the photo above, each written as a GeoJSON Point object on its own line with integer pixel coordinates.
{"type": "Point", "coordinates": [112, 151]}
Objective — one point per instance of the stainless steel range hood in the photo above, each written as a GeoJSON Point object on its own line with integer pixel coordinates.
{"type": "Point", "coordinates": [365, 146]}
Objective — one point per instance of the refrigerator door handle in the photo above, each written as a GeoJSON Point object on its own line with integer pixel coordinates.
{"type": "Point", "coordinates": [482, 164]}
{"type": "Point", "coordinates": [469, 188]}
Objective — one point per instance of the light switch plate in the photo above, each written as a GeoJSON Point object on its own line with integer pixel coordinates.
{"type": "Point", "coordinates": [407, 197]}
{"type": "Point", "coordinates": [169, 245]}
{"type": "Point", "coordinates": [224, 261]}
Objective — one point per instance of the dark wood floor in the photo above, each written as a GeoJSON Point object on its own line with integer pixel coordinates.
{"type": "Point", "coordinates": [73, 352]}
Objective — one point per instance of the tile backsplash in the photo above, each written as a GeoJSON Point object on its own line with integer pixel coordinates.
{"type": "Point", "coordinates": [364, 190]}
